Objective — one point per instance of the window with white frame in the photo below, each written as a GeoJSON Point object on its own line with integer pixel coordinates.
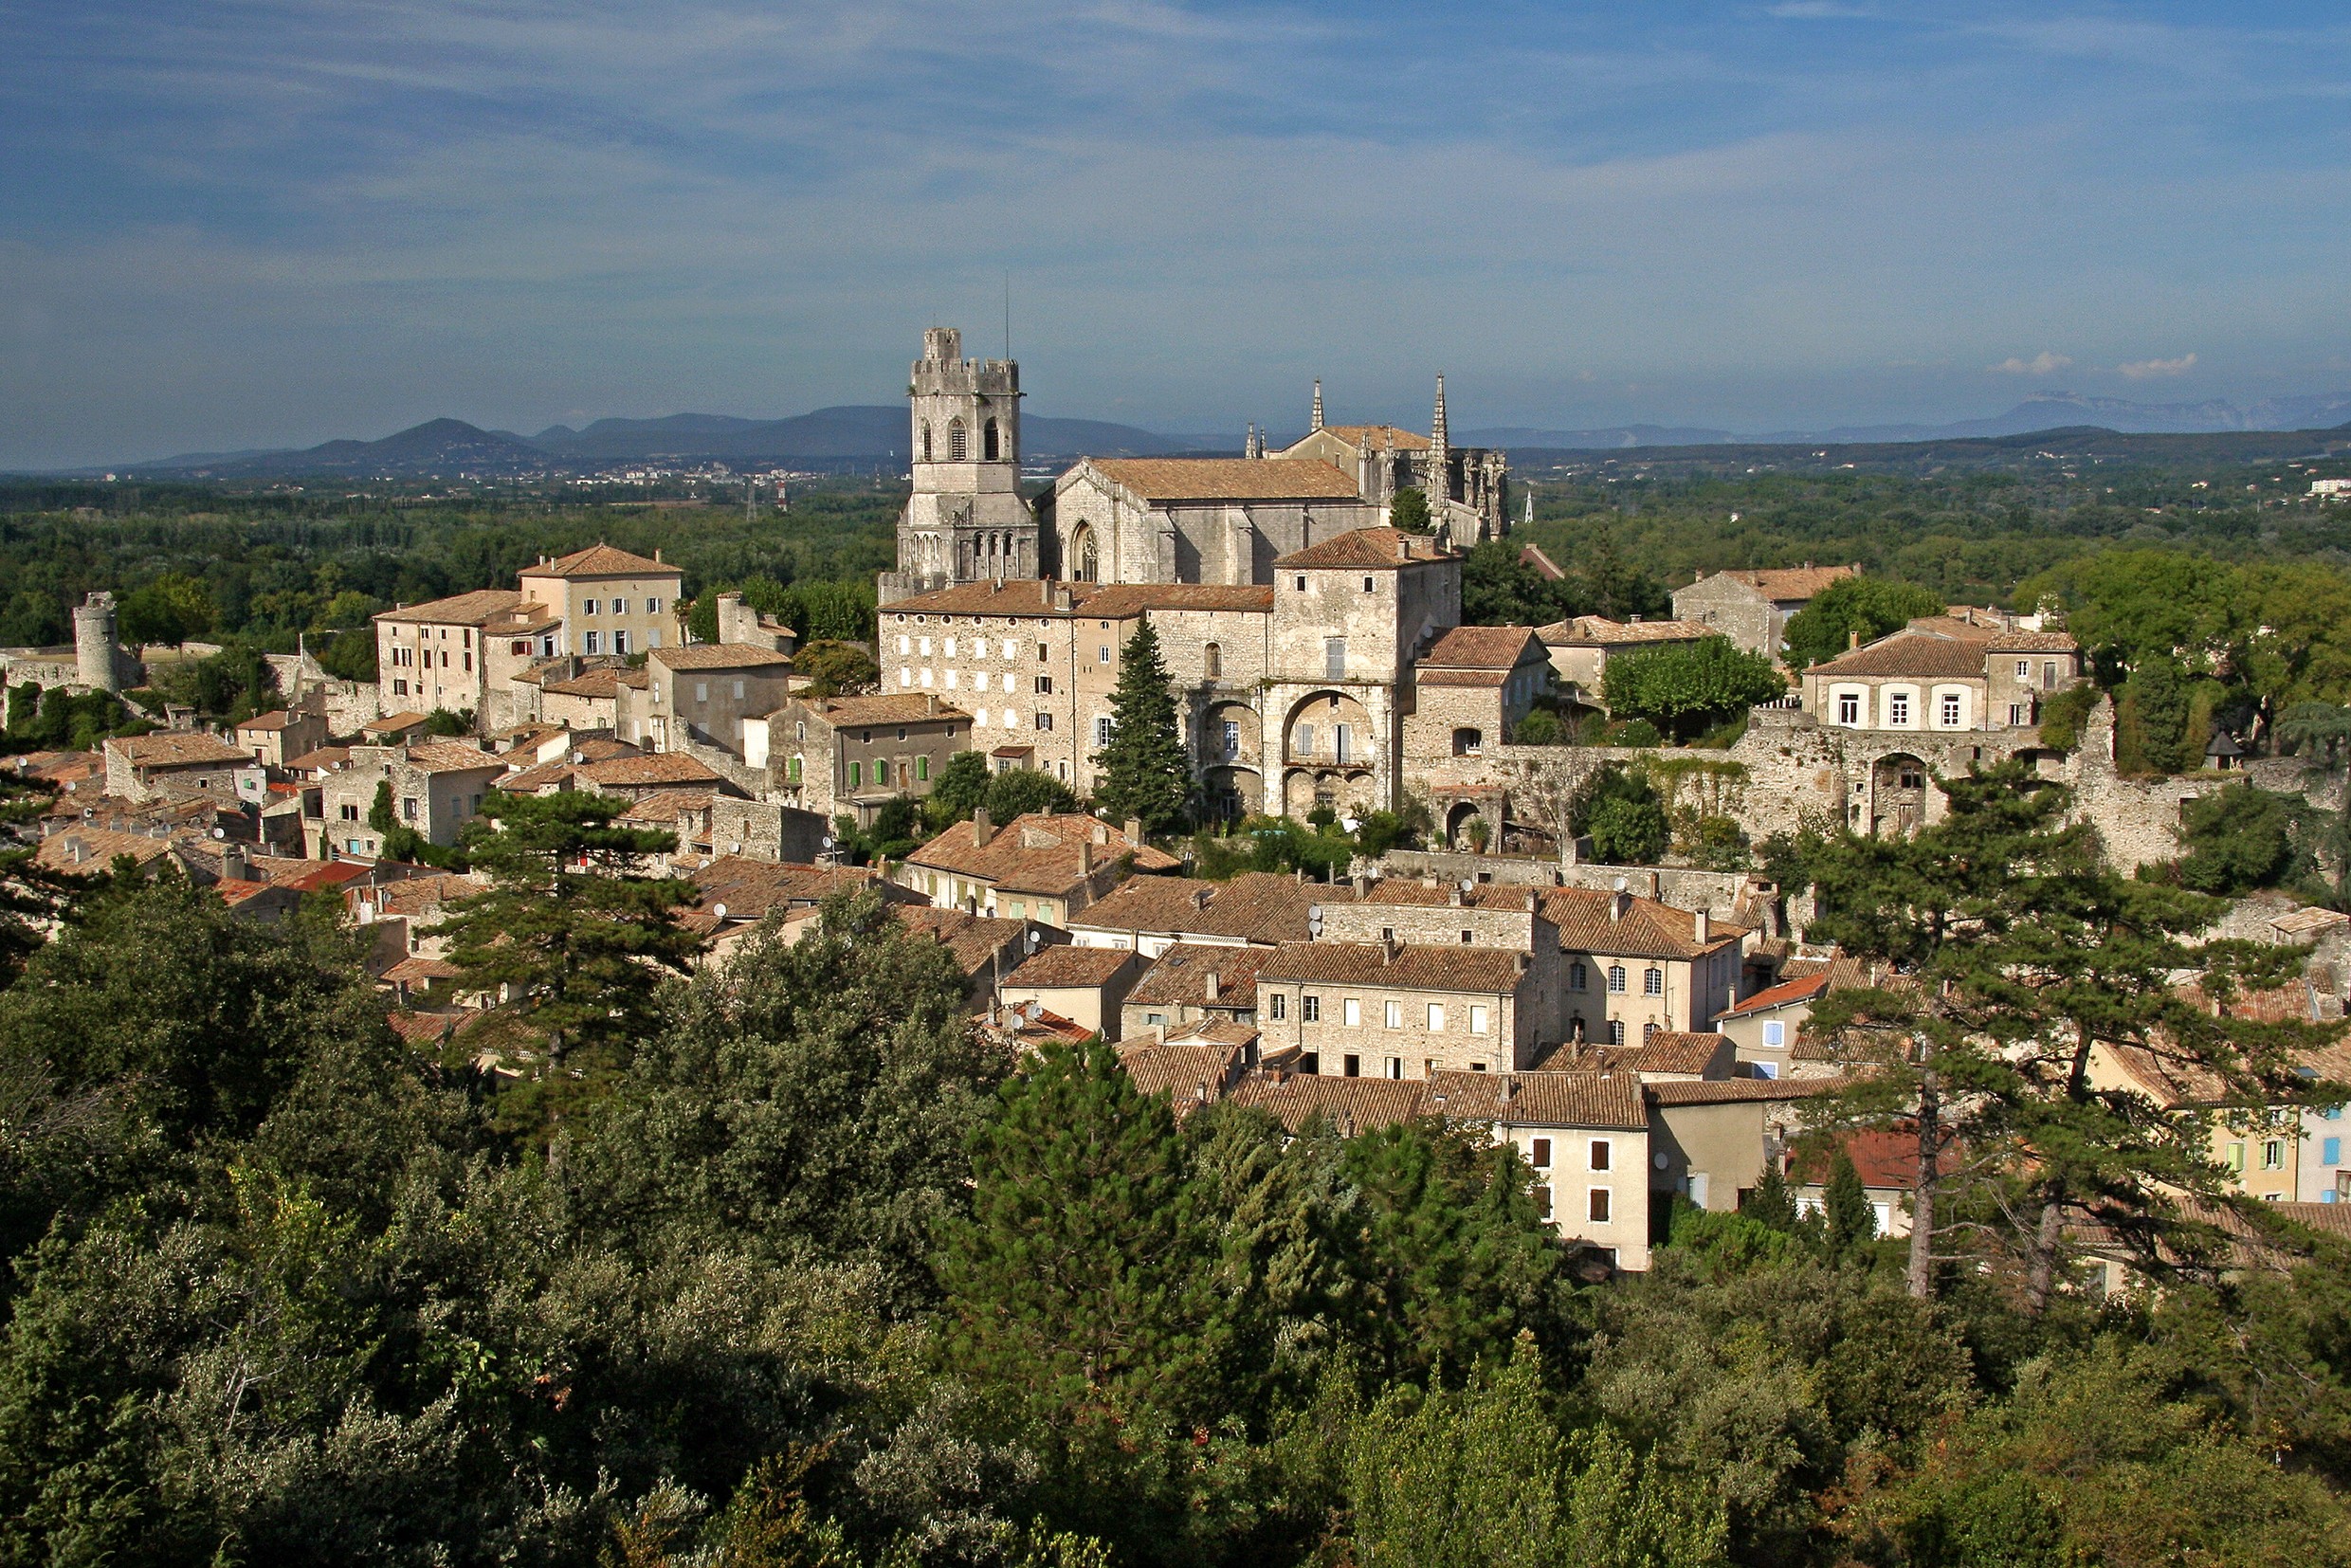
{"type": "Point", "coordinates": [595, 642]}
{"type": "Point", "coordinates": [1775, 1033]}
{"type": "Point", "coordinates": [1539, 1154]}
{"type": "Point", "coordinates": [1597, 1207]}
{"type": "Point", "coordinates": [1312, 1013]}
{"type": "Point", "coordinates": [1897, 709]}
{"type": "Point", "coordinates": [1950, 710]}
{"type": "Point", "coordinates": [1393, 1016]}
{"type": "Point", "coordinates": [1476, 1019]}
{"type": "Point", "coordinates": [1102, 729]}
{"type": "Point", "coordinates": [1351, 1012]}
{"type": "Point", "coordinates": [1599, 1155]}
{"type": "Point", "coordinates": [1278, 1007]}
{"type": "Point", "coordinates": [1436, 1017]}
{"type": "Point", "coordinates": [1615, 1031]}
{"type": "Point", "coordinates": [1849, 709]}
{"type": "Point", "coordinates": [1652, 981]}
{"type": "Point", "coordinates": [1617, 978]}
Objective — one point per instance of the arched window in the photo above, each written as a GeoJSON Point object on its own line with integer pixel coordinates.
{"type": "Point", "coordinates": [1085, 563]}
{"type": "Point", "coordinates": [926, 441]}
{"type": "Point", "coordinates": [987, 440]}
{"type": "Point", "coordinates": [1213, 661]}
{"type": "Point", "coordinates": [959, 441]}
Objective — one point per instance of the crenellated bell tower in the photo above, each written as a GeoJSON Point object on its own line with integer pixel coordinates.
{"type": "Point", "coordinates": [965, 520]}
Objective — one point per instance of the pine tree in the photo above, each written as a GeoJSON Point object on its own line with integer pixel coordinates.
{"type": "Point", "coordinates": [1144, 772]}
{"type": "Point", "coordinates": [1845, 1207]}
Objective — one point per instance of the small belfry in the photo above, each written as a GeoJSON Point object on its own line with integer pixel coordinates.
{"type": "Point", "coordinates": [965, 519]}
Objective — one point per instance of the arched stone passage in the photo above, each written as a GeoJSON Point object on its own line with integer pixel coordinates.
{"type": "Point", "coordinates": [1898, 788]}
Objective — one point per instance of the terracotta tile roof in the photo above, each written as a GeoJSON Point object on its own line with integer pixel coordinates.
{"type": "Point", "coordinates": [1378, 437]}
{"type": "Point", "coordinates": [86, 852]}
{"type": "Point", "coordinates": [1030, 596]}
{"type": "Point", "coordinates": [1789, 583]}
{"type": "Point", "coordinates": [2034, 642]}
{"type": "Point", "coordinates": [1924, 655]}
{"type": "Point", "coordinates": [417, 971]}
{"type": "Point", "coordinates": [1353, 1105]}
{"type": "Point", "coordinates": [540, 776]}
{"type": "Point", "coordinates": [1496, 648]}
{"type": "Point", "coordinates": [266, 721]}
{"type": "Point", "coordinates": [667, 805]}
{"type": "Point", "coordinates": [1377, 549]}
{"type": "Point", "coordinates": [1646, 930]}
{"type": "Point", "coordinates": [1033, 1027]}
{"type": "Point", "coordinates": [1540, 1098]}
{"type": "Point", "coordinates": [1674, 1051]}
{"type": "Point", "coordinates": [593, 684]}
{"type": "Point", "coordinates": [1191, 1073]}
{"type": "Point", "coordinates": [451, 756]}
{"type": "Point", "coordinates": [1492, 970]}
{"type": "Point", "coordinates": [719, 656]}
{"type": "Point", "coordinates": [478, 608]}
{"type": "Point", "coordinates": [423, 895]}
{"type": "Point", "coordinates": [659, 768]}
{"type": "Point", "coordinates": [1599, 631]}
{"type": "Point", "coordinates": [1718, 1092]}
{"type": "Point", "coordinates": [425, 1029]}
{"type": "Point", "coordinates": [599, 561]}
{"type": "Point", "coordinates": [750, 888]}
{"type": "Point", "coordinates": [1179, 977]}
{"type": "Point", "coordinates": [1883, 1157]}
{"type": "Point", "coordinates": [2305, 922]}
{"type": "Point", "coordinates": [175, 749]}
{"type": "Point", "coordinates": [1037, 853]}
{"type": "Point", "coordinates": [1068, 966]}
{"type": "Point", "coordinates": [974, 940]}
{"type": "Point", "coordinates": [1259, 907]}
{"type": "Point", "coordinates": [1227, 477]}
{"type": "Point", "coordinates": [897, 708]}
{"type": "Point", "coordinates": [325, 758]}
{"type": "Point", "coordinates": [392, 724]}
{"type": "Point", "coordinates": [1804, 988]}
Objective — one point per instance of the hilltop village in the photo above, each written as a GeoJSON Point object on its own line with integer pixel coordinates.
{"type": "Point", "coordinates": [1634, 1027]}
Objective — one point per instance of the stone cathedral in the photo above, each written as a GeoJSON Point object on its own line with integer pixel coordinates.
{"type": "Point", "coordinates": [1221, 520]}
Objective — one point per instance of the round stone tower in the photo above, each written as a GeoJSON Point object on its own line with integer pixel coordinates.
{"type": "Point", "coordinates": [94, 642]}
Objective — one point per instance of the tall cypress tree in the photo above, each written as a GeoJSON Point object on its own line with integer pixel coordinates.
{"type": "Point", "coordinates": [1144, 772]}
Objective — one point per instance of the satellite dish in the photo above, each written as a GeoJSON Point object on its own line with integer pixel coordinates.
{"type": "Point", "coordinates": [1660, 1159]}
{"type": "Point", "coordinates": [1467, 885]}
{"type": "Point", "coordinates": [1314, 912]}
{"type": "Point", "coordinates": [1622, 884]}
{"type": "Point", "coordinates": [720, 910]}
{"type": "Point", "coordinates": [828, 841]}
{"type": "Point", "coordinates": [220, 833]}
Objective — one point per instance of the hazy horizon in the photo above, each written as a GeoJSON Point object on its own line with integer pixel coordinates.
{"type": "Point", "coordinates": [276, 224]}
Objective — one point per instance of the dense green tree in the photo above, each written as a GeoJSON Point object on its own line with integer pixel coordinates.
{"type": "Point", "coordinates": [171, 608]}
{"type": "Point", "coordinates": [1408, 511]}
{"type": "Point", "coordinates": [1020, 792]}
{"type": "Point", "coordinates": [1142, 772]}
{"type": "Point", "coordinates": [2324, 729]}
{"type": "Point", "coordinates": [1683, 688]}
{"type": "Point", "coordinates": [836, 669]}
{"type": "Point", "coordinates": [1847, 1222]}
{"type": "Point", "coordinates": [2237, 840]}
{"type": "Point", "coordinates": [960, 789]}
{"type": "Point", "coordinates": [350, 655]}
{"type": "Point", "coordinates": [2151, 719]}
{"type": "Point", "coordinates": [1868, 607]}
{"type": "Point", "coordinates": [1498, 589]}
{"type": "Point", "coordinates": [576, 929]}
{"type": "Point", "coordinates": [1621, 811]}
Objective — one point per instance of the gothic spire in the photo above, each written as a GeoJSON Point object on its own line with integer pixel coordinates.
{"type": "Point", "coordinates": [1317, 404]}
{"type": "Point", "coordinates": [1440, 458]}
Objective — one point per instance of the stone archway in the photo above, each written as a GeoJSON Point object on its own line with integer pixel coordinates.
{"type": "Point", "coordinates": [1085, 558]}
{"type": "Point", "coordinates": [1898, 786]}
{"type": "Point", "coordinates": [1231, 794]}
{"type": "Point", "coordinates": [1457, 821]}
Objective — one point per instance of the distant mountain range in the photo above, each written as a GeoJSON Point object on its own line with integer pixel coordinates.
{"type": "Point", "coordinates": [877, 433]}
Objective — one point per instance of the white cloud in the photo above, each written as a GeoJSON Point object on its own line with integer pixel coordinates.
{"type": "Point", "coordinates": [2043, 363]}
{"type": "Point", "coordinates": [2140, 369]}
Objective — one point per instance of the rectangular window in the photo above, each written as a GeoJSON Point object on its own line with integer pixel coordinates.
{"type": "Point", "coordinates": [1542, 1201]}
{"type": "Point", "coordinates": [587, 607]}
{"type": "Point", "coordinates": [922, 770]}
{"type": "Point", "coordinates": [1951, 710]}
{"type": "Point", "coordinates": [1045, 721]}
{"type": "Point", "coordinates": [2024, 671]}
{"type": "Point", "coordinates": [1477, 1020]}
{"type": "Point", "coordinates": [1598, 1208]}
{"type": "Point", "coordinates": [595, 642]}
{"type": "Point", "coordinates": [923, 645]}
{"type": "Point", "coordinates": [1897, 709]}
{"type": "Point", "coordinates": [1653, 982]}
{"type": "Point", "coordinates": [1539, 1154]}
{"type": "Point", "coordinates": [1352, 1066]}
{"type": "Point", "coordinates": [1233, 738]}
{"type": "Point", "coordinates": [1101, 730]}
{"type": "Point", "coordinates": [1342, 742]}
{"type": "Point", "coordinates": [1101, 654]}
{"type": "Point", "coordinates": [1042, 654]}
{"type": "Point", "coordinates": [1436, 1017]}
{"type": "Point", "coordinates": [1306, 740]}
{"type": "Point", "coordinates": [791, 769]}
{"type": "Point", "coordinates": [951, 648]}
{"type": "Point", "coordinates": [1333, 658]}
{"type": "Point", "coordinates": [408, 808]}
{"type": "Point", "coordinates": [1394, 1015]}
{"type": "Point", "coordinates": [652, 607]}
{"type": "Point", "coordinates": [1396, 1066]}
{"type": "Point", "coordinates": [1045, 685]}
{"type": "Point", "coordinates": [1313, 1012]}
{"type": "Point", "coordinates": [1600, 1149]}
{"type": "Point", "coordinates": [1849, 709]}
{"type": "Point", "coordinates": [2330, 1151]}
{"type": "Point", "coordinates": [2236, 1157]}
{"type": "Point", "coordinates": [1775, 1033]}
{"type": "Point", "coordinates": [1278, 1007]}
{"type": "Point", "coordinates": [1617, 978]}
{"type": "Point", "coordinates": [2273, 1154]}
{"type": "Point", "coordinates": [2048, 677]}
{"type": "Point", "coordinates": [739, 691]}
{"type": "Point", "coordinates": [2016, 715]}
{"type": "Point", "coordinates": [1351, 1015]}
{"type": "Point", "coordinates": [702, 691]}
{"type": "Point", "coordinates": [1765, 1069]}
{"type": "Point", "coordinates": [857, 776]}
{"type": "Point", "coordinates": [1615, 1031]}
{"type": "Point", "coordinates": [1577, 977]}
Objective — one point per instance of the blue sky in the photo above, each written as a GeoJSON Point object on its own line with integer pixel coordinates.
{"type": "Point", "coordinates": [242, 223]}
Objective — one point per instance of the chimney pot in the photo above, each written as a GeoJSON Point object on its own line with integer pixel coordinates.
{"type": "Point", "coordinates": [1085, 857]}
{"type": "Point", "coordinates": [982, 830]}
{"type": "Point", "coordinates": [1214, 989]}
{"type": "Point", "coordinates": [1702, 925]}
{"type": "Point", "coordinates": [1134, 830]}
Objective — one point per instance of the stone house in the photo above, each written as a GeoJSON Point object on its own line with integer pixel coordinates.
{"type": "Point", "coordinates": [1042, 868]}
{"type": "Point", "coordinates": [1586, 1137]}
{"type": "Point", "coordinates": [854, 754]}
{"type": "Point", "coordinates": [1887, 1161]}
{"type": "Point", "coordinates": [1161, 520]}
{"type": "Point", "coordinates": [2281, 1152]}
{"type": "Point", "coordinates": [463, 653]}
{"type": "Point", "coordinates": [984, 947]}
{"type": "Point", "coordinates": [706, 694]}
{"type": "Point", "coordinates": [1582, 648]}
{"type": "Point", "coordinates": [1634, 966]}
{"type": "Point", "coordinates": [606, 600]}
{"type": "Point", "coordinates": [1752, 608]}
{"type": "Point", "coordinates": [1762, 1027]}
{"type": "Point", "coordinates": [1085, 985]}
{"type": "Point", "coordinates": [1712, 1139]}
{"type": "Point", "coordinates": [274, 739]}
{"type": "Point", "coordinates": [588, 702]}
{"type": "Point", "coordinates": [634, 777]}
{"type": "Point", "coordinates": [1389, 1010]}
{"type": "Point", "coordinates": [173, 764]}
{"type": "Point", "coordinates": [1153, 915]}
{"type": "Point", "coordinates": [1423, 914]}
{"type": "Point", "coordinates": [1942, 673]}
{"type": "Point", "coordinates": [1470, 689]}
{"type": "Point", "coordinates": [1189, 984]}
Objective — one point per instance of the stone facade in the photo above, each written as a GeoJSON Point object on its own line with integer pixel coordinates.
{"type": "Point", "coordinates": [706, 694]}
{"type": "Point", "coordinates": [965, 520]}
{"type": "Point", "coordinates": [833, 755]}
{"type": "Point", "coordinates": [1390, 1011]}
{"type": "Point", "coordinates": [1752, 608]}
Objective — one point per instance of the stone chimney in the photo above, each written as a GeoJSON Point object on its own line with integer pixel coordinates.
{"type": "Point", "coordinates": [982, 830]}
{"type": "Point", "coordinates": [234, 866]}
{"type": "Point", "coordinates": [1085, 857]}
{"type": "Point", "coordinates": [1852, 640]}
{"type": "Point", "coordinates": [1388, 946]}
{"type": "Point", "coordinates": [1134, 830]}
{"type": "Point", "coordinates": [930, 701]}
{"type": "Point", "coordinates": [1699, 925]}
{"type": "Point", "coordinates": [1618, 904]}
{"type": "Point", "coordinates": [1214, 989]}
{"type": "Point", "coordinates": [1101, 833]}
